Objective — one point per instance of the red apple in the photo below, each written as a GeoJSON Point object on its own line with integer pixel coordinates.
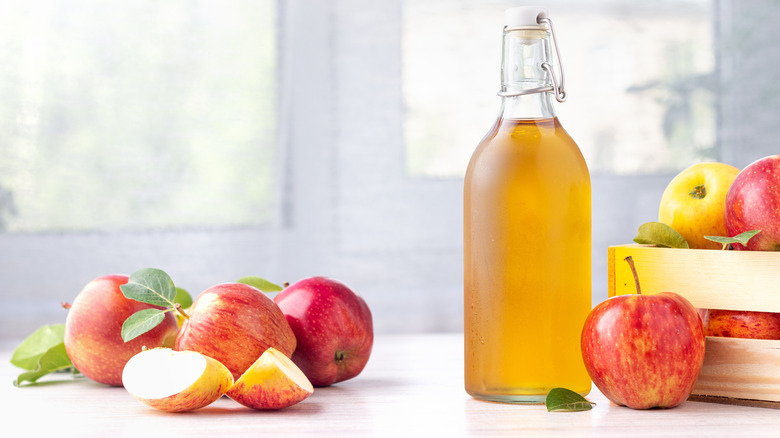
{"type": "Point", "coordinates": [333, 326]}
{"type": "Point", "coordinates": [644, 351]}
{"type": "Point", "coordinates": [93, 330]}
{"type": "Point", "coordinates": [742, 324]}
{"type": "Point", "coordinates": [235, 323]}
{"type": "Point", "coordinates": [753, 203]}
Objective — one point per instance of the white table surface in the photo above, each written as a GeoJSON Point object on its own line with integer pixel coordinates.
{"type": "Point", "coordinates": [412, 386]}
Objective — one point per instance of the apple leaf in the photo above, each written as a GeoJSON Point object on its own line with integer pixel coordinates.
{"type": "Point", "coordinates": [566, 400]}
{"type": "Point", "coordinates": [53, 360]}
{"type": "Point", "coordinates": [260, 283]}
{"type": "Point", "coordinates": [741, 238]}
{"type": "Point", "coordinates": [41, 353]}
{"type": "Point", "coordinates": [29, 352]}
{"type": "Point", "coordinates": [151, 286]}
{"type": "Point", "coordinates": [660, 234]}
{"type": "Point", "coordinates": [182, 298]}
{"type": "Point", "coordinates": [141, 322]}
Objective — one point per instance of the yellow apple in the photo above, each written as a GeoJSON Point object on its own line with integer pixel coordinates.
{"type": "Point", "coordinates": [694, 202]}
{"type": "Point", "coordinates": [175, 381]}
{"type": "Point", "coordinates": [272, 382]}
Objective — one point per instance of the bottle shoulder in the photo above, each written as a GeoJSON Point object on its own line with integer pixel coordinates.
{"type": "Point", "coordinates": [524, 143]}
{"type": "Point", "coordinates": [528, 134]}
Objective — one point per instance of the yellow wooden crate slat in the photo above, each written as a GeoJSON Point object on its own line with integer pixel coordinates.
{"type": "Point", "coordinates": [709, 279]}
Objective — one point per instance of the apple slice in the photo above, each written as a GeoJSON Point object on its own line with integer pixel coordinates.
{"type": "Point", "coordinates": [175, 381]}
{"type": "Point", "coordinates": [272, 382]}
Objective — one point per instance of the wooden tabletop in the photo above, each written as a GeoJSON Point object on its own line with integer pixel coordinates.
{"type": "Point", "coordinates": [413, 385]}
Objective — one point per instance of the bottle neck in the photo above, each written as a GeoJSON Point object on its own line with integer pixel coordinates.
{"type": "Point", "coordinates": [524, 51]}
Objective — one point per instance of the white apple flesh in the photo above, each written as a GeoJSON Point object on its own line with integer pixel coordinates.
{"type": "Point", "coordinates": [175, 381]}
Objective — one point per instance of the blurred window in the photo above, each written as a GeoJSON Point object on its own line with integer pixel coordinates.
{"type": "Point", "coordinates": [136, 115]}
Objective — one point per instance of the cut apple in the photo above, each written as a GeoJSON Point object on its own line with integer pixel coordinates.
{"type": "Point", "coordinates": [272, 382]}
{"type": "Point", "coordinates": [175, 381]}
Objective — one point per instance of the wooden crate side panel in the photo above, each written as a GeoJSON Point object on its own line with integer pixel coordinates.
{"type": "Point", "coordinates": [740, 368]}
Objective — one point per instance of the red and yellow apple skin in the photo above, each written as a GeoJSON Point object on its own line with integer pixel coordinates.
{"type": "Point", "coordinates": [753, 203]}
{"type": "Point", "coordinates": [742, 324]}
{"type": "Point", "coordinates": [93, 330]}
{"type": "Point", "coordinates": [199, 396]}
{"type": "Point", "coordinates": [333, 326]}
{"type": "Point", "coordinates": [273, 382]}
{"type": "Point", "coordinates": [694, 200]}
{"type": "Point", "coordinates": [644, 351]}
{"type": "Point", "coordinates": [235, 323]}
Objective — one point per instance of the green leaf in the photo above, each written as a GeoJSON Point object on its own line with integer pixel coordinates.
{"type": "Point", "coordinates": [151, 286]}
{"type": "Point", "coordinates": [28, 353]}
{"type": "Point", "coordinates": [141, 322]}
{"type": "Point", "coordinates": [566, 400]}
{"type": "Point", "coordinates": [260, 283]}
{"type": "Point", "coordinates": [183, 298]}
{"type": "Point", "coordinates": [54, 359]}
{"type": "Point", "coordinates": [659, 234]}
{"type": "Point", "coordinates": [741, 238]}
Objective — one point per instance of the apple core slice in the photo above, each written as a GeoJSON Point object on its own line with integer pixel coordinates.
{"type": "Point", "coordinates": [175, 381]}
{"type": "Point", "coordinates": [272, 382]}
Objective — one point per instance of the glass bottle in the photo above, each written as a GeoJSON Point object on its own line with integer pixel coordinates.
{"type": "Point", "coordinates": [527, 233]}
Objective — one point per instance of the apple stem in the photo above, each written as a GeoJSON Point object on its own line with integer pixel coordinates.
{"type": "Point", "coordinates": [630, 262]}
{"type": "Point", "coordinates": [179, 309]}
{"type": "Point", "coordinates": [66, 305]}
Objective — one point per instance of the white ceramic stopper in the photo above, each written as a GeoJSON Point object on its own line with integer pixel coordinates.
{"type": "Point", "coordinates": [524, 15]}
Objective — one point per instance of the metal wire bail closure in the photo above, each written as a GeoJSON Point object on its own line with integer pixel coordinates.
{"type": "Point", "coordinates": [559, 88]}
{"type": "Point", "coordinates": [558, 85]}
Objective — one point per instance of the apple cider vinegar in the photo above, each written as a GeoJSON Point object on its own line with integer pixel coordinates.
{"type": "Point", "coordinates": [527, 262]}
{"type": "Point", "coordinates": [527, 239]}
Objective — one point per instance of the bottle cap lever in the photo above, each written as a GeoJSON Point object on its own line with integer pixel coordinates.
{"type": "Point", "coordinates": [558, 86]}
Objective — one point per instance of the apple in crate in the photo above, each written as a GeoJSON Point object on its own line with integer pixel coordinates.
{"type": "Point", "coordinates": [644, 351]}
{"type": "Point", "coordinates": [93, 328]}
{"type": "Point", "coordinates": [742, 324]}
{"type": "Point", "coordinates": [333, 326]}
{"type": "Point", "coordinates": [272, 382]}
{"type": "Point", "coordinates": [693, 202]}
{"type": "Point", "coordinates": [175, 381]}
{"type": "Point", "coordinates": [753, 203]}
{"type": "Point", "coordinates": [235, 323]}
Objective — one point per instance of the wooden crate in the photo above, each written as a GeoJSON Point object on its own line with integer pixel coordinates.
{"type": "Point", "coordinates": [738, 371]}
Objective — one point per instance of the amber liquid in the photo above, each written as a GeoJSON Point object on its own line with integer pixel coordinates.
{"type": "Point", "coordinates": [527, 271]}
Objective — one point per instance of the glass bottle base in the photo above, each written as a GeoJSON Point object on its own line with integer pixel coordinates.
{"type": "Point", "coordinates": [510, 398]}
{"type": "Point", "coordinates": [520, 399]}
